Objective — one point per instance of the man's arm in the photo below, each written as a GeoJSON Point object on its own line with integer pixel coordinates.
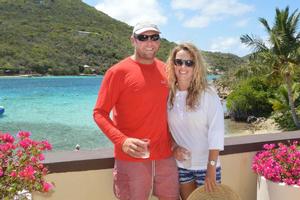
{"type": "Point", "coordinates": [107, 98]}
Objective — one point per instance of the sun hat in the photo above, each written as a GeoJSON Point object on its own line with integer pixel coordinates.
{"type": "Point", "coordinates": [145, 26]}
{"type": "Point", "coordinates": [221, 192]}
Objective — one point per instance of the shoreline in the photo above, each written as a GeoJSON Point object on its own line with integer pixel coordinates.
{"type": "Point", "coordinates": [239, 128]}
{"type": "Point", "coordinates": [36, 76]}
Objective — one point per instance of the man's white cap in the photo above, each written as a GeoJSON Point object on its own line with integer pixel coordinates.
{"type": "Point", "coordinates": [144, 26]}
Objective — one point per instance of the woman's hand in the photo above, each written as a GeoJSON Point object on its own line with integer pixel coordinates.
{"type": "Point", "coordinates": [210, 178]}
{"type": "Point", "coordinates": [180, 153]}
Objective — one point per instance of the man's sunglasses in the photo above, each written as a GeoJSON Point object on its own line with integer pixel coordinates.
{"type": "Point", "coordinates": [180, 62]}
{"type": "Point", "coordinates": [143, 38]}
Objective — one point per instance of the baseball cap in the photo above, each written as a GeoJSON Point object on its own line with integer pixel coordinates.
{"type": "Point", "coordinates": [144, 26]}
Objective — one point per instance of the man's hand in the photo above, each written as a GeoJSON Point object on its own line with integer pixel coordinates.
{"type": "Point", "coordinates": [134, 147]}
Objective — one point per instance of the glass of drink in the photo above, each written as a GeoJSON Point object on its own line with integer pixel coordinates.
{"type": "Point", "coordinates": [146, 148]}
{"type": "Point", "coordinates": [187, 162]}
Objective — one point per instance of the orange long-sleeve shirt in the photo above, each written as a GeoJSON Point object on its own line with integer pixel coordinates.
{"type": "Point", "coordinates": [137, 93]}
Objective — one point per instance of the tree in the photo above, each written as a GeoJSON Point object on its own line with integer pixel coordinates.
{"type": "Point", "coordinates": [280, 104]}
{"type": "Point", "coordinates": [281, 100]}
{"type": "Point", "coordinates": [282, 54]}
{"type": "Point", "coordinates": [249, 98]}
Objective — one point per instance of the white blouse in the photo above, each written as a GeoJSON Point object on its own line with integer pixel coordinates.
{"type": "Point", "coordinates": [198, 130]}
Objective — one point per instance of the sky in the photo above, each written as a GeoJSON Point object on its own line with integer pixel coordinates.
{"type": "Point", "coordinates": [212, 25]}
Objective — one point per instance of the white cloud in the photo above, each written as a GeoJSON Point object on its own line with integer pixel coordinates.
{"type": "Point", "coordinates": [208, 11]}
{"type": "Point", "coordinates": [191, 4]}
{"type": "Point", "coordinates": [242, 23]}
{"type": "Point", "coordinates": [133, 11]}
{"type": "Point", "coordinates": [229, 45]}
{"type": "Point", "coordinates": [179, 15]}
{"type": "Point", "coordinates": [198, 22]}
{"type": "Point", "coordinates": [225, 7]}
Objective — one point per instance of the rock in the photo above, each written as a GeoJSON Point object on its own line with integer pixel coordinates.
{"type": "Point", "coordinates": [263, 125]}
{"type": "Point", "coordinates": [251, 119]}
{"type": "Point", "coordinates": [77, 147]}
{"type": "Point", "coordinates": [226, 115]}
{"type": "Point", "coordinates": [223, 91]}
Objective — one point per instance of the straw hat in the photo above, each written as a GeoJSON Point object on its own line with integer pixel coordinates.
{"type": "Point", "coordinates": [221, 192]}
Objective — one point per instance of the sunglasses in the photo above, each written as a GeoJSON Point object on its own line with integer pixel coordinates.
{"type": "Point", "coordinates": [143, 38]}
{"type": "Point", "coordinates": [180, 62]}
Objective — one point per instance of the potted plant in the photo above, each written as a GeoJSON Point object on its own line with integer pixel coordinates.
{"type": "Point", "coordinates": [278, 167]}
{"type": "Point", "coordinates": [21, 170]}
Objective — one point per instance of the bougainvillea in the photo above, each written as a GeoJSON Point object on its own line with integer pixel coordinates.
{"type": "Point", "coordinates": [20, 165]}
{"type": "Point", "coordinates": [279, 163]}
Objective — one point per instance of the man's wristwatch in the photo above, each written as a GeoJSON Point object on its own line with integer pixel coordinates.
{"type": "Point", "coordinates": [212, 162]}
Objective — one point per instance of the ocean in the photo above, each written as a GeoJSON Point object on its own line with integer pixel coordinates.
{"type": "Point", "coordinates": [57, 108]}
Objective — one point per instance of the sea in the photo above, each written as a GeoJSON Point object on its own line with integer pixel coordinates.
{"type": "Point", "coordinates": [58, 109]}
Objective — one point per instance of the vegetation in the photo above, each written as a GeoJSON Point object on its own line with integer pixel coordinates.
{"type": "Point", "coordinates": [60, 37]}
{"type": "Point", "coordinates": [250, 98]}
{"type": "Point", "coordinates": [282, 56]}
{"type": "Point", "coordinates": [223, 61]}
{"type": "Point", "coordinates": [280, 105]}
{"type": "Point", "coordinates": [276, 64]}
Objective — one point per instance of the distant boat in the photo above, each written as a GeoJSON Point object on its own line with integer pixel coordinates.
{"type": "Point", "coordinates": [1, 110]}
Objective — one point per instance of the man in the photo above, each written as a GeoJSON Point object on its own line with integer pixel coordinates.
{"type": "Point", "coordinates": [136, 90]}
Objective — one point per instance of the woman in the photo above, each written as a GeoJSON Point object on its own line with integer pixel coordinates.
{"type": "Point", "coordinates": [196, 120]}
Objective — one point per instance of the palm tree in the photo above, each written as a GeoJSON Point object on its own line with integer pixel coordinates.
{"type": "Point", "coordinates": [280, 103]}
{"type": "Point", "coordinates": [282, 54]}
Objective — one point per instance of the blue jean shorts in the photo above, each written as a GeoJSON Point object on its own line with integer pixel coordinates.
{"type": "Point", "coordinates": [187, 175]}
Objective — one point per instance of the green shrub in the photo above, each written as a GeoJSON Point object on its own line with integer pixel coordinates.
{"type": "Point", "coordinates": [249, 98]}
{"type": "Point", "coordinates": [285, 120]}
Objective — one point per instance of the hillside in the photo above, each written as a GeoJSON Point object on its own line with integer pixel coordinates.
{"type": "Point", "coordinates": [223, 61]}
{"type": "Point", "coordinates": [61, 36]}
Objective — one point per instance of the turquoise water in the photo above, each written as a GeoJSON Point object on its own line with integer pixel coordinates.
{"type": "Point", "coordinates": [55, 108]}
{"type": "Point", "coordinates": [58, 109]}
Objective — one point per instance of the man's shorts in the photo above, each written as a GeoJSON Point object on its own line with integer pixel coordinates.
{"type": "Point", "coordinates": [136, 180]}
{"type": "Point", "coordinates": [187, 175]}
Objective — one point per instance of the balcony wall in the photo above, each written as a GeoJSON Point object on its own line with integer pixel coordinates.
{"type": "Point", "coordinates": [88, 174]}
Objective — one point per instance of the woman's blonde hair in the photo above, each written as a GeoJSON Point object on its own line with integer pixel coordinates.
{"type": "Point", "coordinates": [198, 83]}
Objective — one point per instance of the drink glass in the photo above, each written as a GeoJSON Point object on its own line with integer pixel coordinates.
{"type": "Point", "coordinates": [146, 148]}
{"type": "Point", "coordinates": [187, 162]}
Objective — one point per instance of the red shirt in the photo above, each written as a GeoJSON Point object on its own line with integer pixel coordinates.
{"type": "Point", "coordinates": [137, 93]}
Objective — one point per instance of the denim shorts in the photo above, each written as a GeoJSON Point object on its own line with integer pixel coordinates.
{"type": "Point", "coordinates": [188, 175]}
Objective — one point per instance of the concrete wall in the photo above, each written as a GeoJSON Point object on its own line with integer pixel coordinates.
{"type": "Point", "coordinates": [237, 173]}
{"type": "Point", "coordinates": [97, 184]}
{"type": "Point", "coordinates": [87, 175]}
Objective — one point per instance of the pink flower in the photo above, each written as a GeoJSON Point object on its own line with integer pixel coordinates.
{"type": "Point", "coordinates": [45, 171]}
{"type": "Point", "coordinates": [25, 143]}
{"type": "Point", "coordinates": [269, 146]}
{"type": "Point", "coordinates": [7, 138]}
{"type": "Point", "coordinates": [47, 186]}
{"type": "Point", "coordinates": [19, 153]}
{"type": "Point", "coordinates": [281, 164]}
{"type": "Point", "coordinates": [298, 182]}
{"type": "Point", "coordinates": [28, 172]}
{"type": "Point", "coordinates": [40, 166]}
{"type": "Point", "coordinates": [20, 166]}
{"type": "Point", "coordinates": [23, 134]}
{"type": "Point", "coordinates": [33, 159]}
{"type": "Point", "coordinates": [6, 147]}
{"type": "Point", "coordinates": [13, 174]}
{"type": "Point", "coordinates": [46, 145]}
{"type": "Point", "coordinates": [41, 157]}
